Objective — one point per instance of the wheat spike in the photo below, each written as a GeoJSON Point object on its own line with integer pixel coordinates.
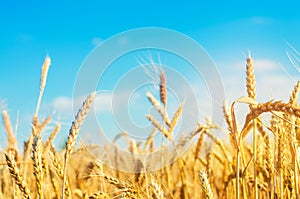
{"type": "Point", "coordinates": [59, 170]}
{"type": "Point", "coordinates": [228, 118]}
{"type": "Point", "coordinates": [37, 165]}
{"type": "Point", "coordinates": [160, 110]}
{"type": "Point", "coordinates": [44, 74]}
{"type": "Point", "coordinates": [15, 173]}
{"type": "Point", "coordinates": [272, 106]}
{"type": "Point", "coordinates": [158, 192]}
{"type": "Point", "coordinates": [250, 79]}
{"type": "Point", "coordinates": [160, 127]}
{"type": "Point", "coordinates": [52, 136]}
{"type": "Point", "coordinates": [206, 189]}
{"type": "Point", "coordinates": [73, 133]}
{"type": "Point", "coordinates": [199, 145]}
{"type": "Point", "coordinates": [175, 119]}
{"type": "Point", "coordinates": [12, 142]}
{"type": "Point", "coordinates": [294, 95]}
{"type": "Point", "coordinates": [163, 90]}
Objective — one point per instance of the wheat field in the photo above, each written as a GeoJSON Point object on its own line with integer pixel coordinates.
{"type": "Point", "coordinates": [267, 166]}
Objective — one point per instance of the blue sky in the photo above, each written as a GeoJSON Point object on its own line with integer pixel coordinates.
{"type": "Point", "coordinates": [68, 31]}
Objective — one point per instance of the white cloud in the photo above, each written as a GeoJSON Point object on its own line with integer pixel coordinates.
{"type": "Point", "coordinates": [65, 106]}
{"type": "Point", "coordinates": [62, 104]}
{"type": "Point", "coordinates": [96, 41]}
{"type": "Point", "coordinates": [274, 86]}
{"type": "Point", "coordinates": [103, 101]}
{"type": "Point", "coordinates": [263, 65]}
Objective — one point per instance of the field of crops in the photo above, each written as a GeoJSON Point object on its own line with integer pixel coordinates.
{"type": "Point", "coordinates": [257, 159]}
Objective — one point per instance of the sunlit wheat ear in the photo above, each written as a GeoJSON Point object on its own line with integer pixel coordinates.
{"type": "Point", "coordinates": [152, 99]}
{"type": "Point", "coordinates": [150, 140]}
{"type": "Point", "coordinates": [54, 182]}
{"type": "Point", "coordinates": [269, 107]}
{"type": "Point", "coordinates": [44, 74]}
{"type": "Point", "coordinates": [73, 133]}
{"type": "Point", "coordinates": [175, 119]}
{"type": "Point", "coordinates": [43, 124]}
{"type": "Point", "coordinates": [160, 127]}
{"type": "Point", "coordinates": [158, 107]}
{"type": "Point", "coordinates": [12, 142]}
{"type": "Point", "coordinates": [79, 119]}
{"type": "Point", "coordinates": [37, 165]}
{"type": "Point", "coordinates": [250, 79]}
{"type": "Point", "coordinates": [163, 89]}
{"type": "Point", "coordinates": [294, 95]}
{"type": "Point", "coordinates": [228, 117]}
{"type": "Point", "coordinates": [58, 168]}
{"type": "Point", "coordinates": [206, 189]}
{"type": "Point", "coordinates": [157, 190]}
{"type": "Point", "coordinates": [199, 145]}
{"type": "Point", "coordinates": [52, 136]}
{"type": "Point", "coordinates": [15, 173]}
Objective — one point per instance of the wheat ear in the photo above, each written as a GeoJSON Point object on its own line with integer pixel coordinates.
{"type": "Point", "coordinates": [157, 190]}
{"type": "Point", "coordinates": [159, 126]}
{"type": "Point", "coordinates": [15, 173]}
{"type": "Point", "coordinates": [160, 110]}
{"type": "Point", "coordinates": [250, 79]}
{"type": "Point", "coordinates": [59, 169]}
{"type": "Point", "coordinates": [37, 165]}
{"type": "Point", "coordinates": [269, 107]}
{"type": "Point", "coordinates": [199, 145]}
{"type": "Point", "coordinates": [12, 142]}
{"type": "Point", "coordinates": [73, 133]}
{"type": "Point", "coordinates": [228, 118]}
{"type": "Point", "coordinates": [44, 74]}
{"type": "Point", "coordinates": [52, 136]}
{"type": "Point", "coordinates": [162, 89]}
{"type": "Point", "coordinates": [294, 95]}
{"type": "Point", "coordinates": [206, 189]}
{"type": "Point", "coordinates": [175, 119]}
